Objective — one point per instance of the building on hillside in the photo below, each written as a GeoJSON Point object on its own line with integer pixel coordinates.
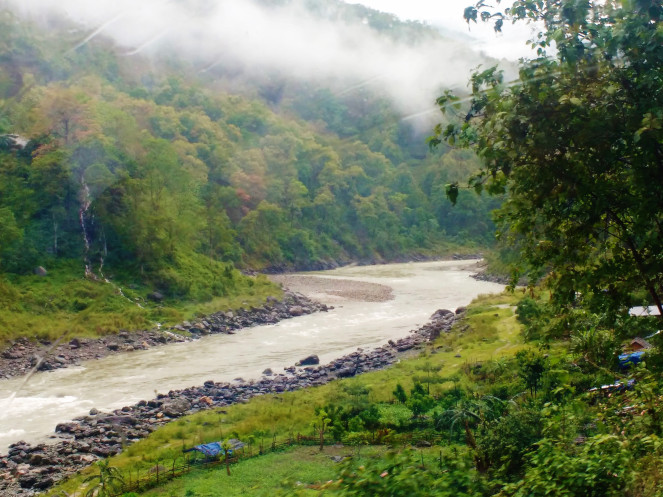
{"type": "Point", "coordinates": [639, 311]}
{"type": "Point", "coordinates": [638, 344]}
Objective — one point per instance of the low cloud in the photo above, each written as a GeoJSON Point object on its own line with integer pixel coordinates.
{"type": "Point", "coordinates": [286, 39]}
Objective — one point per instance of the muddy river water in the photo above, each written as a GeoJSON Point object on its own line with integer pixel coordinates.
{"type": "Point", "coordinates": [30, 410]}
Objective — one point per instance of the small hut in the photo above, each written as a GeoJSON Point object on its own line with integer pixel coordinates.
{"type": "Point", "coordinates": [638, 344]}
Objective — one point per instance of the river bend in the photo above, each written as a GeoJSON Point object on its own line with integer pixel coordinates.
{"type": "Point", "coordinates": [29, 411]}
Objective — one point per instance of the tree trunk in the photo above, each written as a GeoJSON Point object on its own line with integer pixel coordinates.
{"type": "Point", "coordinates": [55, 236]}
{"type": "Point", "coordinates": [469, 437]}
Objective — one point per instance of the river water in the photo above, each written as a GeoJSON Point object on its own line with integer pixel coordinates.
{"type": "Point", "coordinates": [30, 410]}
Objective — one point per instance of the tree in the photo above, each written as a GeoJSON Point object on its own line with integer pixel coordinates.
{"type": "Point", "coordinates": [505, 441]}
{"type": "Point", "coordinates": [9, 230]}
{"type": "Point", "coordinates": [531, 366]}
{"type": "Point", "coordinates": [598, 347]}
{"type": "Point", "coordinates": [406, 474]}
{"type": "Point", "coordinates": [419, 402]}
{"type": "Point", "coordinates": [577, 142]}
{"type": "Point", "coordinates": [371, 420]}
{"type": "Point", "coordinates": [336, 413]}
{"type": "Point", "coordinates": [399, 393]}
{"type": "Point", "coordinates": [227, 449]}
{"type": "Point", "coordinates": [251, 441]}
{"type": "Point", "coordinates": [431, 376]}
{"type": "Point", "coordinates": [63, 113]}
{"type": "Point", "coordinates": [50, 177]}
{"type": "Point", "coordinates": [320, 425]}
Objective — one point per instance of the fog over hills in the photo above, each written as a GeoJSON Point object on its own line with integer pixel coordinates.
{"type": "Point", "coordinates": [344, 46]}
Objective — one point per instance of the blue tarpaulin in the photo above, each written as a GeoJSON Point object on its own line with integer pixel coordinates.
{"type": "Point", "coordinates": [210, 450]}
{"type": "Point", "coordinates": [213, 449]}
{"type": "Point", "coordinates": [632, 358]}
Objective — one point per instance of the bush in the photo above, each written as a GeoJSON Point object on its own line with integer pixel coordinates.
{"type": "Point", "coordinates": [534, 315]}
{"type": "Point", "coordinates": [597, 468]}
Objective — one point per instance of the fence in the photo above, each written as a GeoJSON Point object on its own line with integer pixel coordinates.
{"type": "Point", "coordinates": [134, 481]}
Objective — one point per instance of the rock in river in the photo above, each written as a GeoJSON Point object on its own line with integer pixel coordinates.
{"type": "Point", "coordinates": [311, 360]}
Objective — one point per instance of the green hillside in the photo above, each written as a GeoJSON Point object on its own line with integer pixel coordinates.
{"type": "Point", "coordinates": [157, 178]}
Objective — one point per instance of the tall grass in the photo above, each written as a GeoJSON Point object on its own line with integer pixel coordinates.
{"type": "Point", "coordinates": [64, 304]}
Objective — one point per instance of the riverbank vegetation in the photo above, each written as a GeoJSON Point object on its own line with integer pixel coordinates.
{"type": "Point", "coordinates": [490, 330]}
{"type": "Point", "coordinates": [64, 305]}
{"type": "Point", "coordinates": [495, 407]}
{"type": "Point", "coordinates": [576, 143]}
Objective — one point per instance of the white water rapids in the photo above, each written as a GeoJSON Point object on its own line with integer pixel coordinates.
{"type": "Point", "coordinates": [30, 411]}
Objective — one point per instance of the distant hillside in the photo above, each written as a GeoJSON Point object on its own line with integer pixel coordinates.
{"type": "Point", "coordinates": [153, 168]}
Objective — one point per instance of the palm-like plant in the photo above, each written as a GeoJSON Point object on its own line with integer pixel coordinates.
{"type": "Point", "coordinates": [469, 413]}
{"type": "Point", "coordinates": [107, 480]}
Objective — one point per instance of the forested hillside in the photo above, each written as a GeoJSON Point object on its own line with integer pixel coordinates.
{"type": "Point", "coordinates": [158, 175]}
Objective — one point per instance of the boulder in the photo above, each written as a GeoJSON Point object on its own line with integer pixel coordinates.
{"type": "Point", "coordinates": [28, 481]}
{"type": "Point", "coordinates": [67, 428]}
{"type": "Point", "coordinates": [441, 313]}
{"type": "Point", "coordinates": [156, 296]}
{"type": "Point", "coordinates": [40, 459]}
{"type": "Point", "coordinates": [346, 372]}
{"type": "Point", "coordinates": [40, 271]}
{"type": "Point", "coordinates": [176, 407]}
{"type": "Point", "coordinates": [296, 310]}
{"type": "Point", "coordinates": [309, 361]}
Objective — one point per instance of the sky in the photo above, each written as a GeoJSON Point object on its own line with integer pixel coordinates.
{"type": "Point", "coordinates": [448, 14]}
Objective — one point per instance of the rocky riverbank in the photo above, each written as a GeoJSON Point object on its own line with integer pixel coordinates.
{"type": "Point", "coordinates": [25, 355]}
{"type": "Point", "coordinates": [28, 469]}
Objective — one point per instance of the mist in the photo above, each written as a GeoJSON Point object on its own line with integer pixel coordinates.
{"type": "Point", "coordinates": [285, 39]}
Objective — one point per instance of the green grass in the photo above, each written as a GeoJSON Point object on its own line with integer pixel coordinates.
{"type": "Point", "coordinates": [488, 332]}
{"type": "Point", "coordinates": [64, 304]}
{"type": "Point", "coordinates": [305, 467]}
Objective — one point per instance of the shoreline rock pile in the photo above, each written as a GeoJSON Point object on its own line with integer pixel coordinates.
{"type": "Point", "coordinates": [23, 355]}
{"type": "Point", "coordinates": [27, 469]}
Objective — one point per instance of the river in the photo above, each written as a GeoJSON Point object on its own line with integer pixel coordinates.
{"type": "Point", "coordinates": [29, 411]}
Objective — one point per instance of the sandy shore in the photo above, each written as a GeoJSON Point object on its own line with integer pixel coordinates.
{"type": "Point", "coordinates": [333, 290]}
